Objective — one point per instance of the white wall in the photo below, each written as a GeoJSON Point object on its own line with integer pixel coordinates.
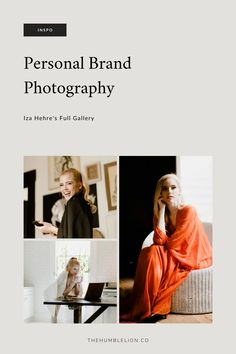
{"type": "Point", "coordinates": [39, 270]}
{"type": "Point", "coordinates": [195, 173]}
{"type": "Point", "coordinates": [107, 219]}
{"type": "Point", "coordinates": [103, 261]}
{"type": "Point", "coordinates": [103, 268]}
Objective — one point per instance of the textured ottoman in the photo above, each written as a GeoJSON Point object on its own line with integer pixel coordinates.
{"type": "Point", "coordinates": [194, 295]}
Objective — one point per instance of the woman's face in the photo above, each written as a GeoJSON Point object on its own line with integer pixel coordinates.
{"type": "Point", "coordinates": [68, 186]}
{"type": "Point", "coordinates": [170, 192]}
{"type": "Point", "coordinates": [74, 270]}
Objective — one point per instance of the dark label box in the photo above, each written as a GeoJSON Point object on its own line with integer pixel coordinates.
{"type": "Point", "coordinates": [44, 29]}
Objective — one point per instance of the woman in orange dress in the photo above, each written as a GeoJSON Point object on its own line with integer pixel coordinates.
{"type": "Point", "coordinates": [180, 245]}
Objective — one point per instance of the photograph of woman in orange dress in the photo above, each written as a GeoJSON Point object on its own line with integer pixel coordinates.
{"type": "Point", "coordinates": [180, 245]}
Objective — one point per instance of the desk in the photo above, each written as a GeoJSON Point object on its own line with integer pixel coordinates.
{"type": "Point", "coordinates": [76, 305]}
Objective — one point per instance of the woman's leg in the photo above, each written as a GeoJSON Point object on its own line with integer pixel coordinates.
{"type": "Point", "coordinates": [149, 273]}
{"type": "Point", "coordinates": [157, 276]}
{"type": "Point", "coordinates": [173, 277]}
{"type": "Point", "coordinates": [54, 318]}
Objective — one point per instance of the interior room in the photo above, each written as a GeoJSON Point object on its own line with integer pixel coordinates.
{"type": "Point", "coordinates": [136, 217]}
{"type": "Point", "coordinates": [45, 260]}
{"type": "Point", "coordinates": [43, 200]}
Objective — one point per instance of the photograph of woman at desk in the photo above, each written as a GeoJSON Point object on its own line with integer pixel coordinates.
{"type": "Point", "coordinates": [60, 276]}
{"type": "Point", "coordinates": [77, 219]}
{"type": "Point", "coordinates": [68, 284]}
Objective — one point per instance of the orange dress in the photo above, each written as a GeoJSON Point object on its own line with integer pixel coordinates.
{"type": "Point", "coordinates": [163, 266]}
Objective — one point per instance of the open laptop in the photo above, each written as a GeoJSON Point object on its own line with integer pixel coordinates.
{"type": "Point", "coordinates": [94, 291]}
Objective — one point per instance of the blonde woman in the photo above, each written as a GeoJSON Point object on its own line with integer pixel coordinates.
{"type": "Point", "coordinates": [68, 283]}
{"type": "Point", "coordinates": [179, 246]}
{"type": "Point", "coordinates": [77, 218]}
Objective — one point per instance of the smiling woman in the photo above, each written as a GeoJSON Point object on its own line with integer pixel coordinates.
{"type": "Point", "coordinates": [77, 218]}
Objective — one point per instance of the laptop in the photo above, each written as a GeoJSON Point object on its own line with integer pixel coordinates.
{"type": "Point", "coordinates": [94, 291]}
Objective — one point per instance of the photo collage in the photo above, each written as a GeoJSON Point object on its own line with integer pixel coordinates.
{"type": "Point", "coordinates": [117, 239]}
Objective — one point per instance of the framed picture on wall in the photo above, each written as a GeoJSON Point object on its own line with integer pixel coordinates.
{"type": "Point", "coordinates": [110, 170]}
{"type": "Point", "coordinates": [58, 164]}
{"type": "Point", "coordinates": [93, 172]}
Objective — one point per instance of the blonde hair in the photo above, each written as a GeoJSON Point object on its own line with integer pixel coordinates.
{"type": "Point", "coordinates": [77, 176]}
{"type": "Point", "coordinates": [157, 195]}
{"type": "Point", "coordinates": [72, 261]}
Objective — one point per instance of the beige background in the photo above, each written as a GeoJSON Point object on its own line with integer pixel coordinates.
{"type": "Point", "coordinates": [177, 99]}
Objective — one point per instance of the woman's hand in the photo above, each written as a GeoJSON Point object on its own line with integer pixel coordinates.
{"type": "Point", "coordinates": [72, 283]}
{"type": "Point", "coordinates": [74, 280]}
{"type": "Point", "coordinates": [47, 228]}
{"type": "Point", "coordinates": [161, 219]}
{"type": "Point", "coordinates": [161, 203]}
{"type": "Point", "coordinates": [77, 285]}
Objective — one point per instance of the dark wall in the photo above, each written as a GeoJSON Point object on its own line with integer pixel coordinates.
{"type": "Point", "coordinates": [138, 178]}
{"type": "Point", "coordinates": [29, 205]}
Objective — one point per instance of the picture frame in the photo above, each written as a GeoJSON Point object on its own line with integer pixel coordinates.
{"type": "Point", "coordinates": [110, 170]}
{"type": "Point", "coordinates": [93, 172]}
{"type": "Point", "coordinates": [58, 164]}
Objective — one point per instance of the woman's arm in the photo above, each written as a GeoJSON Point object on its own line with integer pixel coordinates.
{"type": "Point", "coordinates": [189, 243]}
{"type": "Point", "coordinates": [77, 289]}
{"type": "Point", "coordinates": [61, 283]}
{"type": "Point", "coordinates": [78, 220]}
{"type": "Point", "coordinates": [161, 220]}
{"type": "Point", "coordinates": [160, 236]}
{"type": "Point", "coordinates": [187, 224]}
{"type": "Point", "coordinates": [69, 287]}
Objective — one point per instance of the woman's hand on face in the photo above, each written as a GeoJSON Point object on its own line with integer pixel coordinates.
{"type": "Point", "coordinates": [161, 203]}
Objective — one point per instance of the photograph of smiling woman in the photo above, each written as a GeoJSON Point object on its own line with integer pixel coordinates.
{"type": "Point", "coordinates": [77, 219]}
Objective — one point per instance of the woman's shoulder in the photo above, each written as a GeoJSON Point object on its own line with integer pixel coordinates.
{"type": "Point", "coordinates": [62, 275]}
{"type": "Point", "coordinates": [78, 203]}
{"type": "Point", "coordinates": [75, 200]}
{"type": "Point", "coordinates": [76, 196]}
{"type": "Point", "coordinates": [187, 210]}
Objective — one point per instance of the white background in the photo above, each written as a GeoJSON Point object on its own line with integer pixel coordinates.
{"type": "Point", "coordinates": [177, 99]}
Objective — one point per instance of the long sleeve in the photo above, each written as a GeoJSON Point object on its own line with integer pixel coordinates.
{"type": "Point", "coordinates": [189, 243]}
{"type": "Point", "coordinates": [159, 237]}
{"type": "Point", "coordinates": [77, 219]}
{"type": "Point", "coordinates": [61, 283]}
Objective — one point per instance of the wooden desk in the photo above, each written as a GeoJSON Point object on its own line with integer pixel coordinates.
{"type": "Point", "coordinates": [76, 305]}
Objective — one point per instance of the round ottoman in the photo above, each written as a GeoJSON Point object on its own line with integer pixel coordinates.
{"type": "Point", "coordinates": [194, 295]}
